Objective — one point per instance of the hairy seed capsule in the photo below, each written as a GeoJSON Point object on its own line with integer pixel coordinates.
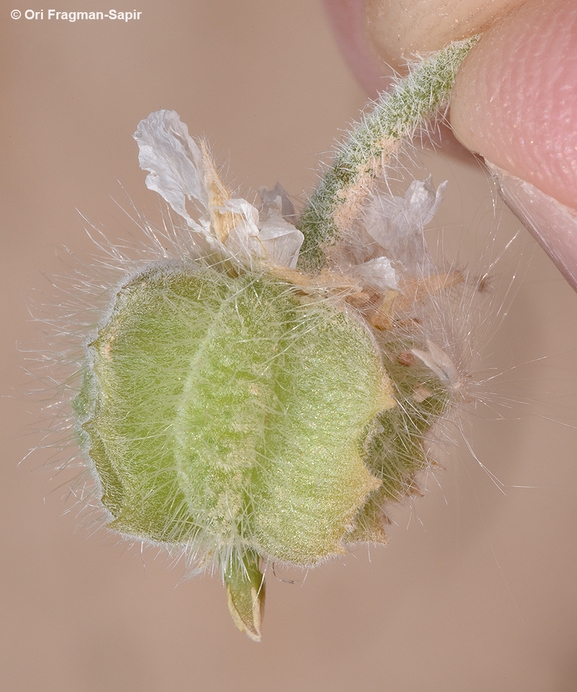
{"type": "Point", "coordinates": [232, 415]}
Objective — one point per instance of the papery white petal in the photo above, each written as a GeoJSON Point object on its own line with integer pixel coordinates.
{"type": "Point", "coordinates": [281, 241]}
{"type": "Point", "coordinates": [377, 273]}
{"type": "Point", "coordinates": [173, 160]}
{"type": "Point", "coordinates": [243, 239]}
{"type": "Point", "coordinates": [397, 223]}
{"type": "Point", "coordinates": [423, 200]}
{"type": "Point", "coordinates": [277, 200]}
{"type": "Point", "coordinates": [440, 363]}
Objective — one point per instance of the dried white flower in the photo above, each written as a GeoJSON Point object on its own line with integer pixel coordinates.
{"type": "Point", "coordinates": [396, 224]}
{"type": "Point", "coordinates": [181, 170]}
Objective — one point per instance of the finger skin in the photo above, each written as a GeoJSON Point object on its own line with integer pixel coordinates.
{"type": "Point", "coordinates": [348, 20]}
{"type": "Point", "coordinates": [398, 30]}
{"type": "Point", "coordinates": [515, 99]}
{"type": "Point", "coordinates": [377, 37]}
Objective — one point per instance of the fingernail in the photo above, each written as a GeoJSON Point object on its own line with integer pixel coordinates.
{"type": "Point", "coordinates": [552, 224]}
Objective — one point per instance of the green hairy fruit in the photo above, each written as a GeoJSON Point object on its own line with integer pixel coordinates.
{"type": "Point", "coordinates": [244, 420]}
{"type": "Point", "coordinates": [232, 415]}
{"type": "Point", "coordinates": [229, 412]}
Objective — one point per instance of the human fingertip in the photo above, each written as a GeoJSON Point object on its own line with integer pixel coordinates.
{"type": "Point", "coordinates": [347, 19]}
{"type": "Point", "coordinates": [515, 97]}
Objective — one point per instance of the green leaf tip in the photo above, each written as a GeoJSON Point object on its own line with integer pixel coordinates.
{"type": "Point", "coordinates": [245, 588]}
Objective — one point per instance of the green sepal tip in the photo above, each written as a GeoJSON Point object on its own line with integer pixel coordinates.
{"type": "Point", "coordinates": [245, 589]}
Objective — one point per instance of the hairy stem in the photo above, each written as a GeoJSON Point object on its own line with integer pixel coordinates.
{"type": "Point", "coordinates": [370, 147]}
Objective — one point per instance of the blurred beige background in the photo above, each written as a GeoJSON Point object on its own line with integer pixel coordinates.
{"type": "Point", "coordinates": [477, 590]}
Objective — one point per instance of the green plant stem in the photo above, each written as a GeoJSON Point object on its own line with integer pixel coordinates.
{"type": "Point", "coordinates": [371, 145]}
